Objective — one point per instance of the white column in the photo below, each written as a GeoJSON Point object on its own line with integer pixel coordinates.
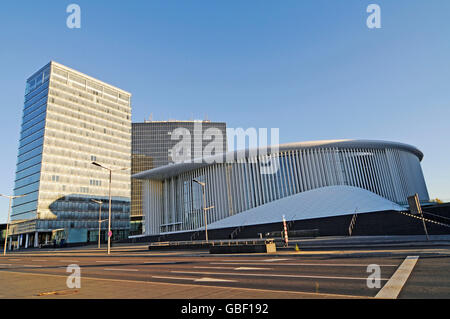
{"type": "Point", "coordinates": [36, 239]}
{"type": "Point", "coordinates": [26, 241]}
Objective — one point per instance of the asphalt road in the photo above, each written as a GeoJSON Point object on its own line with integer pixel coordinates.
{"type": "Point", "coordinates": [427, 276]}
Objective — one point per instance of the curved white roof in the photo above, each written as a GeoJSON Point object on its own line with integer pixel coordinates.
{"type": "Point", "coordinates": [178, 168]}
{"type": "Point", "coordinates": [318, 203]}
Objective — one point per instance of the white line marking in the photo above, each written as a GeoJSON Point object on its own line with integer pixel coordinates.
{"type": "Point", "coordinates": [232, 268]}
{"type": "Point", "coordinates": [38, 259]}
{"type": "Point", "coordinates": [303, 264]}
{"type": "Point", "coordinates": [203, 279]}
{"type": "Point", "coordinates": [31, 266]}
{"type": "Point", "coordinates": [207, 279]}
{"type": "Point", "coordinates": [208, 267]}
{"type": "Point", "coordinates": [176, 278]}
{"type": "Point", "coordinates": [107, 261]}
{"type": "Point", "coordinates": [240, 260]}
{"type": "Point", "coordinates": [301, 293]}
{"type": "Point", "coordinates": [395, 284]}
{"type": "Point", "coordinates": [15, 259]}
{"type": "Point", "coordinates": [270, 275]}
{"type": "Point", "coordinates": [121, 269]}
{"type": "Point", "coordinates": [257, 258]}
{"type": "Point", "coordinates": [251, 268]}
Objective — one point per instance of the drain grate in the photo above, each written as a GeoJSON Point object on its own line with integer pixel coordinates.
{"type": "Point", "coordinates": [58, 292]}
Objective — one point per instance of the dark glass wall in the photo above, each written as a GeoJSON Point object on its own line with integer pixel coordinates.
{"type": "Point", "coordinates": [152, 145]}
{"type": "Point", "coordinates": [28, 169]}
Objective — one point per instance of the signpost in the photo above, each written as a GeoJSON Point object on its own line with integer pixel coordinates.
{"type": "Point", "coordinates": [416, 209]}
{"type": "Point", "coordinates": [110, 199]}
{"type": "Point", "coordinates": [286, 240]}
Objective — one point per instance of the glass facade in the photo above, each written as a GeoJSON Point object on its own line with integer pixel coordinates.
{"type": "Point", "coordinates": [152, 145]}
{"type": "Point", "coordinates": [70, 120]}
{"type": "Point", "coordinates": [29, 159]}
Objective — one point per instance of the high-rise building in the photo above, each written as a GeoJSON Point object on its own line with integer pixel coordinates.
{"type": "Point", "coordinates": [157, 143]}
{"type": "Point", "coordinates": [69, 121]}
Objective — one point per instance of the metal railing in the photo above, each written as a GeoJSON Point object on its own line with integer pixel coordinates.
{"type": "Point", "coordinates": [211, 242]}
{"type": "Point", "coordinates": [424, 219]}
{"type": "Point", "coordinates": [236, 231]}
{"type": "Point", "coordinates": [195, 235]}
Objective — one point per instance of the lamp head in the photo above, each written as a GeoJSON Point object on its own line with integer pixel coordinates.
{"type": "Point", "coordinates": [96, 164]}
{"type": "Point", "coordinates": [198, 182]}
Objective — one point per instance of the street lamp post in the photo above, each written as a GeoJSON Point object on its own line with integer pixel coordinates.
{"type": "Point", "coordinates": [109, 216]}
{"type": "Point", "coordinates": [11, 197]}
{"type": "Point", "coordinates": [99, 219]}
{"type": "Point", "coordinates": [203, 185]}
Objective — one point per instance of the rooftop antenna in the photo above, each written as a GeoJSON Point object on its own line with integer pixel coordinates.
{"type": "Point", "coordinates": [151, 117]}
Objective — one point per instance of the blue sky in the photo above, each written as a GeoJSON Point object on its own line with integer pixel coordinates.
{"type": "Point", "coordinates": [311, 68]}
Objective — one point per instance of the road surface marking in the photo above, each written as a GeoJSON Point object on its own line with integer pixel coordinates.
{"type": "Point", "coordinates": [38, 259]}
{"type": "Point", "coordinates": [271, 275]}
{"type": "Point", "coordinates": [232, 268]}
{"type": "Point", "coordinates": [69, 261]}
{"type": "Point", "coordinates": [275, 259]}
{"type": "Point", "coordinates": [203, 279]}
{"type": "Point", "coordinates": [31, 266]}
{"type": "Point", "coordinates": [107, 261]}
{"type": "Point", "coordinates": [15, 259]}
{"type": "Point", "coordinates": [208, 267]}
{"type": "Point", "coordinates": [175, 278]}
{"type": "Point", "coordinates": [302, 264]}
{"type": "Point", "coordinates": [239, 260]}
{"type": "Point", "coordinates": [252, 268]}
{"type": "Point", "coordinates": [121, 269]}
{"type": "Point", "coordinates": [208, 279]}
{"type": "Point", "coordinates": [290, 292]}
{"type": "Point", "coordinates": [395, 284]}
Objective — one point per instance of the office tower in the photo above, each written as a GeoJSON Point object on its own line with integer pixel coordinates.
{"type": "Point", "coordinates": [69, 121]}
{"type": "Point", "coordinates": [153, 145]}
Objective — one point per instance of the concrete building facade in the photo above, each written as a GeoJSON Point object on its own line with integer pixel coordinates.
{"type": "Point", "coordinates": [239, 182]}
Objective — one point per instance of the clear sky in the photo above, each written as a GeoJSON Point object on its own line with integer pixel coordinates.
{"type": "Point", "coordinates": [311, 68]}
